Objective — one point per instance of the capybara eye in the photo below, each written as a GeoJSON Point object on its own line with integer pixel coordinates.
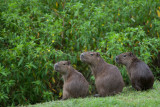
{"type": "Point", "coordinates": [64, 64]}
{"type": "Point", "coordinates": [92, 54]}
{"type": "Point", "coordinates": [124, 55]}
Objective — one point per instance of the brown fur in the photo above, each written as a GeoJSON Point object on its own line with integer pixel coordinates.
{"type": "Point", "coordinates": [108, 79]}
{"type": "Point", "coordinates": [75, 85]}
{"type": "Point", "coordinates": [139, 73]}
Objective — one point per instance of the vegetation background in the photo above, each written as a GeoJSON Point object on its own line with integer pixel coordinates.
{"type": "Point", "coordinates": [34, 34]}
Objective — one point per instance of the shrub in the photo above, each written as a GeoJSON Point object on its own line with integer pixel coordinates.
{"type": "Point", "coordinates": [36, 34]}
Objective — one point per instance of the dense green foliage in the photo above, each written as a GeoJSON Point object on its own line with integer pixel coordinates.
{"type": "Point", "coordinates": [128, 98]}
{"type": "Point", "coordinates": [34, 34]}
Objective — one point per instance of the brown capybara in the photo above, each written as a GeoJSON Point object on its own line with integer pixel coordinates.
{"type": "Point", "coordinates": [108, 78]}
{"type": "Point", "coordinates": [139, 73]}
{"type": "Point", "coordinates": [75, 85]}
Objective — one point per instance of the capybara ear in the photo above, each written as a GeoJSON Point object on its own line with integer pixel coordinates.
{"type": "Point", "coordinates": [68, 62]}
{"type": "Point", "coordinates": [130, 54]}
{"type": "Point", "coordinates": [98, 54]}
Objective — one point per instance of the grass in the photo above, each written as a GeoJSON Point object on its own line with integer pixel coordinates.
{"type": "Point", "coordinates": [128, 98]}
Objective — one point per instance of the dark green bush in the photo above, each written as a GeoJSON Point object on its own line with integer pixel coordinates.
{"type": "Point", "coordinates": [34, 34]}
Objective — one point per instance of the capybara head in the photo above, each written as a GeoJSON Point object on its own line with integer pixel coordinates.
{"type": "Point", "coordinates": [90, 57]}
{"type": "Point", "coordinates": [62, 66]}
{"type": "Point", "coordinates": [125, 58]}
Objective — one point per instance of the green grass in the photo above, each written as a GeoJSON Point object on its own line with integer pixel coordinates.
{"type": "Point", "coordinates": [128, 98]}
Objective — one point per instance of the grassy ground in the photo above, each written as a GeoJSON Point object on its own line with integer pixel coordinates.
{"type": "Point", "coordinates": [129, 97]}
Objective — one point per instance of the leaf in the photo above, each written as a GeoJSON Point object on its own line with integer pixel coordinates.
{"type": "Point", "coordinates": [20, 62]}
{"type": "Point", "coordinates": [60, 94]}
{"type": "Point", "coordinates": [56, 4]}
{"type": "Point", "coordinates": [54, 90]}
{"type": "Point", "coordinates": [38, 82]}
{"type": "Point", "coordinates": [33, 66]}
{"type": "Point", "coordinates": [3, 73]}
{"type": "Point", "coordinates": [132, 19]}
{"type": "Point", "coordinates": [1, 38]}
{"type": "Point", "coordinates": [53, 80]}
{"type": "Point", "coordinates": [158, 13]}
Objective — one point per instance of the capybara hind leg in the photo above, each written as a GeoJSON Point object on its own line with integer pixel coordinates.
{"type": "Point", "coordinates": [103, 93]}
{"type": "Point", "coordinates": [137, 87]}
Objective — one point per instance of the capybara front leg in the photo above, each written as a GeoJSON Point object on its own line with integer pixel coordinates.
{"type": "Point", "coordinates": [65, 95]}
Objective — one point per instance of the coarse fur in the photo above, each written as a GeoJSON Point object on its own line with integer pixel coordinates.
{"type": "Point", "coordinates": [139, 73]}
{"type": "Point", "coordinates": [75, 85]}
{"type": "Point", "coordinates": [108, 79]}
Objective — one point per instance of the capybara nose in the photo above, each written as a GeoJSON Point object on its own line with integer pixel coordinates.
{"type": "Point", "coordinates": [55, 66]}
{"type": "Point", "coordinates": [116, 58]}
{"type": "Point", "coordinates": [82, 55]}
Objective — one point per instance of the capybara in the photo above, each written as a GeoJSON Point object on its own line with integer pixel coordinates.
{"type": "Point", "coordinates": [139, 73]}
{"type": "Point", "coordinates": [75, 85]}
{"type": "Point", "coordinates": [108, 78]}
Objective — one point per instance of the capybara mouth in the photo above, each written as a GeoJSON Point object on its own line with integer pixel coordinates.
{"type": "Point", "coordinates": [117, 60]}
{"type": "Point", "coordinates": [56, 68]}
{"type": "Point", "coordinates": [82, 57]}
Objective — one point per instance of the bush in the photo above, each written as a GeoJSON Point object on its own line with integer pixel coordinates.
{"type": "Point", "coordinates": [36, 34]}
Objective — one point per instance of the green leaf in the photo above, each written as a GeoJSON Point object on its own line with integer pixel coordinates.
{"type": "Point", "coordinates": [20, 62]}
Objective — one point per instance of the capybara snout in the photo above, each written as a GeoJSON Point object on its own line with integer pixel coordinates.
{"type": "Point", "coordinates": [89, 57]}
{"type": "Point", "coordinates": [116, 58]}
{"type": "Point", "coordinates": [61, 66]}
{"type": "Point", "coordinates": [124, 58]}
{"type": "Point", "coordinates": [82, 56]}
{"type": "Point", "coordinates": [56, 66]}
